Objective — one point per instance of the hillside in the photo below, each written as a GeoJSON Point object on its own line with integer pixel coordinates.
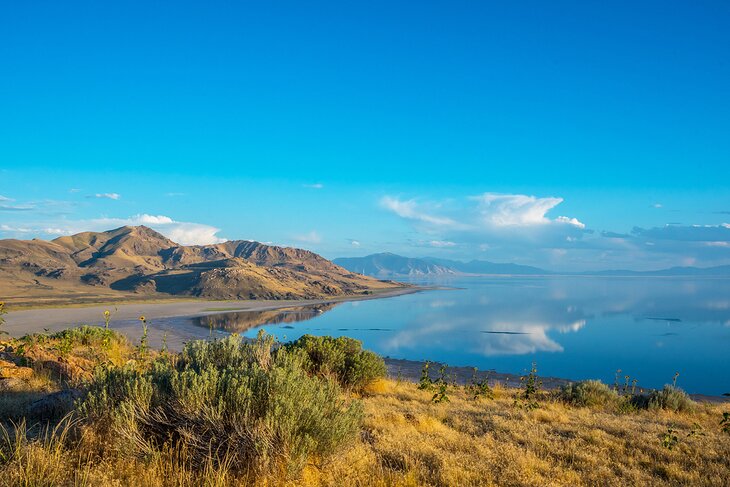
{"type": "Point", "coordinates": [392, 265]}
{"type": "Point", "coordinates": [137, 261]}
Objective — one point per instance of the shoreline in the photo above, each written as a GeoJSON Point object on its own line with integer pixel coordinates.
{"type": "Point", "coordinates": [410, 370]}
{"type": "Point", "coordinates": [33, 320]}
{"type": "Point", "coordinates": [125, 320]}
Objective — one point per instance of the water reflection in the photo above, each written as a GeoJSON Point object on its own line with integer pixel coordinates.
{"type": "Point", "coordinates": [573, 327]}
{"type": "Point", "coordinates": [240, 321]}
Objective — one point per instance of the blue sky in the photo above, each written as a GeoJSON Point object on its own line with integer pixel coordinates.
{"type": "Point", "coordinates": [572, 135]}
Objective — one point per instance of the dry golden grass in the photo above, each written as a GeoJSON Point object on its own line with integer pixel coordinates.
{"type": "Point", "coordinates": [407, 440]}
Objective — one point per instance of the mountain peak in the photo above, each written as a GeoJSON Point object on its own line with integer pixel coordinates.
{"type": "Point", "coordinates": [138, 259]}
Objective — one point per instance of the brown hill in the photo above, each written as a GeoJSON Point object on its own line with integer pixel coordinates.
{"type": "Point", "coordinates": [133, 261]}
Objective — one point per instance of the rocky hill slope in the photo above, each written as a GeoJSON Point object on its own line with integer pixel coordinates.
{"type": "Point", "coordinates": [133, 261]}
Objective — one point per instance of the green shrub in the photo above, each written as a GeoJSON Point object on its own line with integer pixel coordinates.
{"type": "Point", "coordinates": [670, 398]}
{"type": "Point", "coordinates": [589, 393]}
{"type": "Point", "coordinates": [86, 335]}
{"type": "Point", "coordinates": [342, 358]}
{"type": "Point", "coordinates": [236, 402]}
{"type": "Point", "coordinates": [2, 318]}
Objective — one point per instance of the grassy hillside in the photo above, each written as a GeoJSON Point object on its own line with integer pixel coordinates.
{"type": "Point", "coordinates": [319, 412]}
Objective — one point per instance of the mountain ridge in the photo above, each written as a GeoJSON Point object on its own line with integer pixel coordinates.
{"type": "Point", "coordinates": [140, 261]}
{"type": "Point", "coordinates": [387, 264]}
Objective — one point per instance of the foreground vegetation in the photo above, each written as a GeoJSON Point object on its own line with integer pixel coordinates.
{"type": "Point", "coordinates": [85, 407]}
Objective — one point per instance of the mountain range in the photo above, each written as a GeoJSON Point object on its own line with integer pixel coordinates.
{"type": "Point", "coordinates": [387, 265]}
{"type": "Point", "coordinates": [133, 261]}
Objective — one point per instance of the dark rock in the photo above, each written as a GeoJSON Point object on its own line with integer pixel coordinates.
{"type": "Point", "coordinates": [54, 405]}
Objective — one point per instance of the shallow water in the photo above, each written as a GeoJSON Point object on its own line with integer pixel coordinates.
{"type": "Point", "coordinates": [575, 327]}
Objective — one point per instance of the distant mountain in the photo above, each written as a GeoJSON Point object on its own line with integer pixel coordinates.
{"type": "Point", "coordinates": [387, 265]}
{"type": "Point", "coordinates": [718, 271]}
{"type": "Point", "coordinates": [486, 267]}
{"type": "Point", "coordinates": [391, 265]}
{"type": "Point", "coordinates": [138, 260]}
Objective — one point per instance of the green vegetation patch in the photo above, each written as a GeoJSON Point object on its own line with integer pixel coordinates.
{"type": "Point", "coordinates": [341, 358]}
{"type": "Point", "coordinates": [244, 404]}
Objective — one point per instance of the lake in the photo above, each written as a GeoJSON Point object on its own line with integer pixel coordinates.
{"type": "Point", "coordinates": [572, 327]}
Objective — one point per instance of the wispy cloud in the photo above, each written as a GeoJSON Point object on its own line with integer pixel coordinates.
{"type": "Point", "coordinates": [441, 243]}
{"type": "Point", "coordinates": [311, 238]}
{"type": "Point", "coordinates": [5, 198]}
{"type": "Point", "coordinates": [354, 243]}
{"type": "Point", "coordinates": [314, 186]}
{"type": "Point", "coordinates": [412, 210]}
{"type": "Point", "coordinates": [17, 207]}
{"type": "Point", "coordinates": [687, 233]}
{"type": "Point", "coordinates": [109, 196]}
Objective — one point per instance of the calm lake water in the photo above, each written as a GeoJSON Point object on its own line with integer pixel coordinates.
{"type": "Point", "coordinates": [573, 327]}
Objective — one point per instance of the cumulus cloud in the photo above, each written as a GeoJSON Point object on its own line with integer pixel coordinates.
{"type": "Point", "coordinates": [108, 196]}
{"type": "Point", "coordinates": [519, 210]}
{"type": "Point", "coordinates": [146, 219]}
{"type": "Point", "coordinates": [185, 233]}
{"type": "Point", "coordinates": [355, 243]}
{"type": "Point", "coordinates": [493, 219]}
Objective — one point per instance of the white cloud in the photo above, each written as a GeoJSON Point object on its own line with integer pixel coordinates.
{"type": "Point", "coordinates": [74, 190]}
{"type": "Point", "coordinates": [185, 233]}
{"type": "Point", "coordinates": [146, 219]}
{"type": "Point", "coordinates": [657, 205]}
{"type": "Point", "coordinates": [109, 196]}
{"type": "Point", "coordinates": [502, 210]}
{"type": "Point", "coordinates": [410, 210]}
{"type": "Point", "coordinates": [570, 221]}
{"type": "Point", "coordinates": [5, 198]}
{"type": "Point", "coordinates": [441, 243]}
{"type": "Point", "coordinates": [16, 207]}
{"type": "Point", "coordinates": [490, 218]}
{"type": "Point", "coordinates": [12, 229]}
{"type": "Point", "coordinates": [355, 243]}
{"type": "Point", "coordinates": [191, 233]}
{"type": "Point", "coordinates": [312, 237]}
{"type": "Point", "coordinates": [314, 186]}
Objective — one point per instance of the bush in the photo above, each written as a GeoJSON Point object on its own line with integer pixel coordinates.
{"type": "Point", "coordinates": [342, 358]}
{"type": "Point", "coordinates": [239, 403]}
{"type": "Point", "coordinates": [670, 398]}
{"type": "Point", "coordinates": [589, 393]}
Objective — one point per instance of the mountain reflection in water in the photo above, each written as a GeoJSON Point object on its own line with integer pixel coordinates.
{"type": "Point", "coordinates": [240, 321]}
{"type": "Point", "coordinates": [574, 327]}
